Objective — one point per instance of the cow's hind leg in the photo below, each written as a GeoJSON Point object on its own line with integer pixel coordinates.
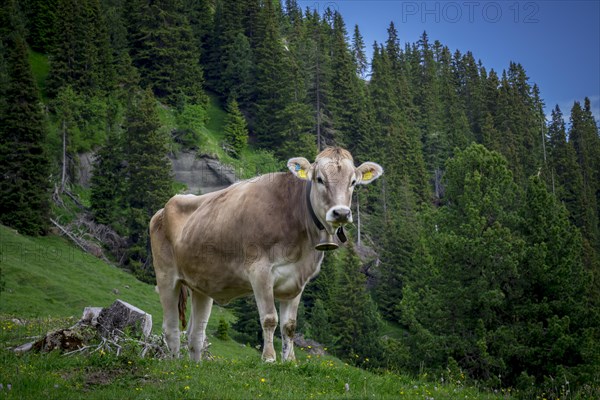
{"type": "Point", "coordinates": [288, 312]}
{"type": "Point", "coordinates": [169, 299]}
{"type": "Point", "coordinates": [201, 308]}
{"type": "Point", "coordinates": [166, 282]}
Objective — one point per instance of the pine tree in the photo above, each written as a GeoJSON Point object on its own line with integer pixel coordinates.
{"type": "Point", "coordinates": [227, 25]}
{"type": "Point", "coordinates": [348, 102]}
{"type": "Point", "coordinates": [80, 55]}
{"type": "Point", "coordinates": [41, 19]}
{"type": "Point", "coordinates": [317, 298]}
{"type": "Point", "coordinates": [236, 131]}
{"type": "Point", "coordinates": [200, 15]}
{"type": "Point", "coordinates": [586, 142]}
{"type": "Point", "coordinates": [24, 162]}
{"type": "Point", "coordinates": [125, 74]}
{"type": "Point", "coordinates": [549, 308]}
{"type": "Point", "coordinates": [316, 62]}
{"type": "Point", "coordinates": [476, 252]}
{"type": "Point", "coordinates": [149, 181]}
{"type": "Point", "coordinates": [357, 324]}
{"type": "Point", "coordinates": [247, 324]}
{"type": "Point", "coordinates": [222, 330]}
{"type": "Point", "coordinates": [272, 89]}
{"type": "Point", "coordinates": [238, 73]}
{"type": "Point", "coordinates": [564, 176]}
{"type": "Point", "coordinates": [108, 181]}
{"type": "Point", "coordinates": [165, 52]}
{"type": "Point", "coordinates": [358, 53]}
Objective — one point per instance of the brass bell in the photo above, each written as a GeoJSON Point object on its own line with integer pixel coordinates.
{"type": "Point", "coordinates": [326, 242]}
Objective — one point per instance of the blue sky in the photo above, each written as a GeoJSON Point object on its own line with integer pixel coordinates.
{"type": "Point", "coordinates": [557, 42]}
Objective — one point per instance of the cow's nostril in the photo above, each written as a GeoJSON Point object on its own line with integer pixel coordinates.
{"type": "Point", "coordinates": [341, 213]}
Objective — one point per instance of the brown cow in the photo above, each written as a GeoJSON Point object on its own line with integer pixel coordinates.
{"type": "Point", "coordinates": [255, 236]}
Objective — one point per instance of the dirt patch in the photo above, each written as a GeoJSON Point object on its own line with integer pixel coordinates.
{"type": "Point", "coordinates": [102, 377]}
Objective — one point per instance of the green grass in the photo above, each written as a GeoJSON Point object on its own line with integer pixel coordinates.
{"type": "Point", "coordinates": [243, 376]}
{"type": "Point", "coordinates": [49, 277]}
{"type": "Point", "coordinates": [49, 282]}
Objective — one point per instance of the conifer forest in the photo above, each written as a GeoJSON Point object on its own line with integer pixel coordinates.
{"type": "Point", "coordinates": [477, 253]}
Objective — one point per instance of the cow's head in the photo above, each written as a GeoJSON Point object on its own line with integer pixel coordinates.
{"type": "Point", "coordinates": [333, 177]}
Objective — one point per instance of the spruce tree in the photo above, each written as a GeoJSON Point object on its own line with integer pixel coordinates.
{"type": "Point", "coordinates": [358, 53]}
{"type": "Point", "coordinates": [149, 180]}
{"type": "Point", "coordinates": [272, 88]}
{"type": "Point", "coordinates": [348, 102]}
{"type": "Point", "coordinates": [165, 52]}
{"type": "Point", "coordinates": [247, 324]}
{"type": "Point", "coordinates": [80, 55]}
{"type": "Point", "coordinates": [549, 307]}
{"type": "Point", "coordinates": [24, 161]}
{"type": "Point", "coordinates": [41, 18]}
{"type": "Point", "coordinates": [586, 142]}
{"type": "Point", "coordinates": [108, 181]}
{"type": "Point", "coordinates": [475, 251]}
{"type": "Point", "coordinates": [238, 73]}
{"type": "Point", "coordinates": [227, 24]}
{"type": "Point", "coordinates": [236, 131]}
{"type": "Point", "coordinates": [357, 324]}
{"type": "Point", "coordinates": [564, 175]}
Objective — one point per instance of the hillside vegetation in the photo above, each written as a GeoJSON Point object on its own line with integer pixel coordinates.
{"type": "Point", "coordinates": [47, 282]}
{"type": "Point", "coordinates": [479, 248]}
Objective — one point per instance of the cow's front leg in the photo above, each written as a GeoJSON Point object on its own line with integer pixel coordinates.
{"type": "Point", "coordinates": [263, 293]}
{"type": "Point", "coordinates": [288, 311]}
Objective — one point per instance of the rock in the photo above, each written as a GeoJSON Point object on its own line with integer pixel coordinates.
{"type": "Point", "coordinates": [311, 346]}
{"type": "Point", "coordinates": [201, 174]}
{"type": "Point", "coordinates": [121, 317]}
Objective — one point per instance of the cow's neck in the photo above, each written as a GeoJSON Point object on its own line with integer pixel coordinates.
{"type": "Point", "coordinates": [311, 210]}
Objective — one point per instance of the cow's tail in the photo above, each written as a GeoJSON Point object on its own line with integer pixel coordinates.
{"type": "Point", "coordinates": [183, 296]}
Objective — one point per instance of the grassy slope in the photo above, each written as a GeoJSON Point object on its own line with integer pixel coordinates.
{"type": "Point", "coordinates": [46, 277]}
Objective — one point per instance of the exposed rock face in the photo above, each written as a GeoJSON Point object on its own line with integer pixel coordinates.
{"type": "Point", "coordinates": [201, 174]}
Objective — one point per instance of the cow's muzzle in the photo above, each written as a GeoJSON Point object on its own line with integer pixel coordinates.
{"type": "Point", "coordinates": [339, 215]}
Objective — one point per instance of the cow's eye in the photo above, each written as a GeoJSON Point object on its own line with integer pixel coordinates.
{"type": "Point", "coordinates": [353, 182]}
{"type": "Point", "coordinates": [320, 180]}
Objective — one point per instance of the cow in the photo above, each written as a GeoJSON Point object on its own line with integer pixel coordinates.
{"type": "Point", "coordinates": [264, 236]}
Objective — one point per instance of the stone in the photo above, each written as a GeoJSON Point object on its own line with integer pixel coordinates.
{"type": "Point", "coordinates": [123, 317]}
{"type": "Point", "coordinates": [311, 346]}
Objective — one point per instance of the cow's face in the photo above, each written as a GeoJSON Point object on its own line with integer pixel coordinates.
{"type": "Point", "coordinates": [333, 178]}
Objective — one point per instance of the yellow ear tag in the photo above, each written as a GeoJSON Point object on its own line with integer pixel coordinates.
{"type": "Point", "coordinates": [368, 175]}
{"type": "Point", "coordinates": [302, 173]}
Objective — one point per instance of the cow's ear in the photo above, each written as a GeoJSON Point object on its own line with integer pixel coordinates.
{"type": "Point", "coordinates": [368, 172]}
{"type": "Point", "coordinates": [299, 167]}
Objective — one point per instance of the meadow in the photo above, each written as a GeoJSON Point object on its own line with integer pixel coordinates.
{"type": "Point", "coordinates": [46, 284]}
